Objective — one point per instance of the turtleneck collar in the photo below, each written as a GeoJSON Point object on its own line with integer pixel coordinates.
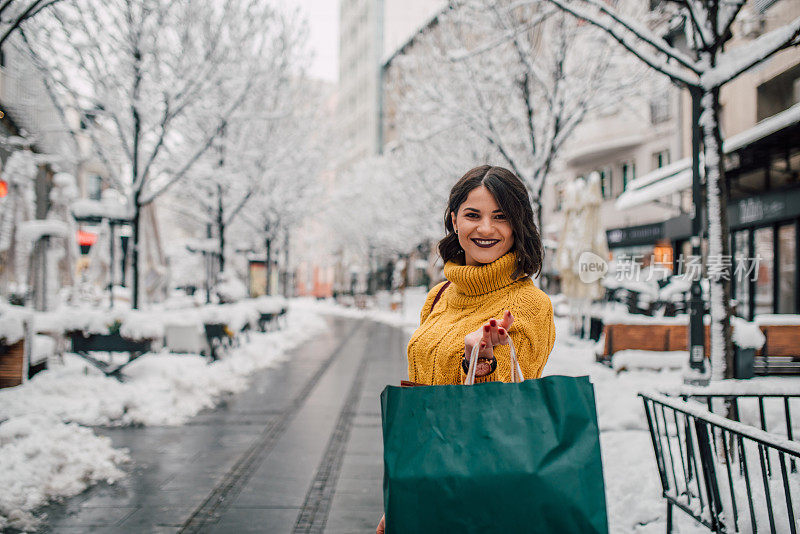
{"type": "Point", "coordinates": [482, 279]}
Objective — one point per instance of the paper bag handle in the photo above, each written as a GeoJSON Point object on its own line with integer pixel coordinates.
{"type": "Point", "coordinates": [516, 370]}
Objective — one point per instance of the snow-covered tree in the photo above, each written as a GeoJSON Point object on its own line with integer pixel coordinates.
{"type": "Point", "coordinates": [146, 78]}
{"type": "Point", "coordinates": [511, 81]}
{"type": "Point", "coordinates": [13, 13]}
{"type": "Point", "coordinates": [704, 69]}
{"type": "Point", "coordinates": [283, 148]}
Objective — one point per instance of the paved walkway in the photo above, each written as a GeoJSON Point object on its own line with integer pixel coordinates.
{"type": "Point", "coordinates": [300, 451]}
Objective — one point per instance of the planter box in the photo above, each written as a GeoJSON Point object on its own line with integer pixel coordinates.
{"type": "Point", "coordinates": [12, 364]}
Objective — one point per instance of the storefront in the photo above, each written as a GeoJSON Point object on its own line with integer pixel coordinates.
{"type": "Point", "coordinates": [767, 227]}
{"type": "Point", "coordinates": [659, 242]}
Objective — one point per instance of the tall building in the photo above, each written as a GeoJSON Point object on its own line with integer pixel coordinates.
{"type": "Point", "coordinates": [370, 30]}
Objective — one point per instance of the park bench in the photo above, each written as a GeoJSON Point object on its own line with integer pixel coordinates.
{"type": "Point", "coordinates": [726, 475]}
{"type": "Point", "coordinates": [112, 343]}
{"type": "Point", "coordinates": [654, 337]}
{"type": "Point", "coordinates": [780, 354]}
{"type": "Point", "coordinates": [781, 351]}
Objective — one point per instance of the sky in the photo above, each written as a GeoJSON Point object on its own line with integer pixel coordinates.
{"type": "Point", "coordinates": [323, 19]}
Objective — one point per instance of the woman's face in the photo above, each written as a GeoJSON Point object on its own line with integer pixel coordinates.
{"type": "Point", "coordinates": [483, 230]}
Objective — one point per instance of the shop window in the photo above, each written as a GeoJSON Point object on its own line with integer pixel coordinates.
{"type": "Point", "coordinates": [628, 173]}
{"type": "Point", "coordinates": [763, 249]}
{"type": "Point", "coordinates": [660, 159]}
{"type": "Point", "coordinates": [786, 269]}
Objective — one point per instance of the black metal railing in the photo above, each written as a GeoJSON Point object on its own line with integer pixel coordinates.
{"type": "Point", "coordinates": [771, 412]}
{"type": "Point", "coordinates": [729, 476]}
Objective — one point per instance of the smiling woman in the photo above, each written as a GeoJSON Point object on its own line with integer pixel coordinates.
{"type": "Point", "coordinates": [491, 252]}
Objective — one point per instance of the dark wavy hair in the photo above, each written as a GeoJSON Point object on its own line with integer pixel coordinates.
{"type": "Point", "coordinates": [511, 195]}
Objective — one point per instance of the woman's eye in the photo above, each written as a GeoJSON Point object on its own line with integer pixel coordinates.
{"type": "Point", "coordinates": [501, 216]}
{"type": "Point", "coordinates": [471, 215]}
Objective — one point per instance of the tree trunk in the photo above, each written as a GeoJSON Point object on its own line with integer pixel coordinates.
{"type": "Point", "coordinates": [717, 264]}
{"type": "Point", "coordinates": [221, 229]}
{"type": "Point", "coordinates": [136, 223]}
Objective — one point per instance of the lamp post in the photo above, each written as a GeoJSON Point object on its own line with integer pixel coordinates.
{"type": "Point", "coordinates": [268, 265]}
{"type": "Point", "coordinates": [697, 338]}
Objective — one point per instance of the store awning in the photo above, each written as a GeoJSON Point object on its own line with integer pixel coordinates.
{"type": "Point", "coordinates": [654, 189]}
{"type": "Point", "coordinates": [678, 176]}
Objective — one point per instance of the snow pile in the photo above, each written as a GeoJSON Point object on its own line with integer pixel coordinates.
{"type": "Point", "coordinates": [747, 335]}
{"type": "Point", "coordinates": [649, 359]}
{"type": "Point", "coordinates": [160, 388]}
{"type": "Point", "coordinates": [230, 288]}
{"type": "Point", "coordinates": [12, 323]}
{"type": "Point", "coordinates": [36, 229]}
{"type": "Point", "coordinates": [42, 458]}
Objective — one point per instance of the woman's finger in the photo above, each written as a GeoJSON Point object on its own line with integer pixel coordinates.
{"type": "Point", "coordinates": [486, 336]}
{"type": "Point", "coordinates": [503, 336]}
{"type": "Point", "coordinates": [508, 320]}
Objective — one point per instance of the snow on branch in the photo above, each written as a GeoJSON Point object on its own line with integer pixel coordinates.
{"type": "Point", "coordinates": [635, 42]}
{"type": "Point", "coordinates": [740, 59]}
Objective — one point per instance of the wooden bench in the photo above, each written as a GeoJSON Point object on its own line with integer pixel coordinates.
{"type": "Point", "coordinates": [781, 351]}
{"type": "Point", "coordinates": [654, 337]}
{"type": "Point", "coordinates": [780, 354]}
{"type": "Point", "coordinates": [112, 343]}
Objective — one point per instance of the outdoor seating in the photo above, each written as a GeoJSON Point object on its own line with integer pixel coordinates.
{"type": "Point", "coordinates": [781, 352]}
{"type": "Point", "coordinates": [726, 475]}
{"type": "Point", "coordinates": [188, 339]}
{"type": "Point", "coordinates": [113, 344]}
{"type": "Point", "coordinates": [648, 336]}
{"type": "Point", "coordinates": [219, 337]}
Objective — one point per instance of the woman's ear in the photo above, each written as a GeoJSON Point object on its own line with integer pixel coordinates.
{"type": "Point", "coordinates": [453, 219]}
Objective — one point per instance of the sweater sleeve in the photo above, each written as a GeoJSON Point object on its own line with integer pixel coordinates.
{"type": "Point", "coordinates": [533, 335]}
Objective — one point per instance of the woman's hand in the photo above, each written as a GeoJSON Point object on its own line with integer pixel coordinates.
{"type": "Point", "coordinates": [490, 334]}
{"type": "Point", "coordinates": [381, 526]}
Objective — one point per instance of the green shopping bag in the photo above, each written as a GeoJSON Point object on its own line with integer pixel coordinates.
{"type": "Point", "coordinates": [493, 457]}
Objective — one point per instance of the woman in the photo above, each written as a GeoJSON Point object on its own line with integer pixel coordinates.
{"type": "Point", "coordinates": [491, 251]}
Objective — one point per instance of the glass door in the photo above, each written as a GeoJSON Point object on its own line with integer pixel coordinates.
{"type": "Point", "coordinates": [764, 296]}
{"type": "Point", "coordinates": [787, 267]}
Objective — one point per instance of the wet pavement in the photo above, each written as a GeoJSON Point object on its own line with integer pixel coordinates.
{"type": "Point", "coordinates": [300, 451]}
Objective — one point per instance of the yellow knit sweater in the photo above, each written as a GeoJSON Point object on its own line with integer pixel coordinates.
{"type": "Point", "coordinates": [476, 295]}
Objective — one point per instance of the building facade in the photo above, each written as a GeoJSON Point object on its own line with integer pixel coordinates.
{"type": "Point", "coordinates": [649, 215]}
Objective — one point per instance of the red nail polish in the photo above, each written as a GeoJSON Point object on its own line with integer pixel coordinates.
{"type": "Point", "coordinates": [493, 322]}
{"type": "Point", "coordinates": [502, 332]}
{"type": "Point", "coordinates": [486, 328]}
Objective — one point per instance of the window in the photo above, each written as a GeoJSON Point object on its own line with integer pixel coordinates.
{"type": "Point", "coordinates": [764, 247]}
{"type": "Point", "coordinates": [786, 269]}
{"type": "Point", "coordinates": [660, 110]}
{"type": "Point", "coordinates": [628, 173]}
{"type": "Point", "coordinates": [605, 181]}
{"type": "Point", "coordinates": [94, 187]}
{"type": "Point", "coordinates": [660, 159]}
{"type": "Point", "coordinates": [778, 94]}
{"type": "Point", "coordinates": [740, 281]}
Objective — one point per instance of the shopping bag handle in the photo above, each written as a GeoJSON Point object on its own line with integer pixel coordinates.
{"type": "Point", "coordinates": [516, 370]}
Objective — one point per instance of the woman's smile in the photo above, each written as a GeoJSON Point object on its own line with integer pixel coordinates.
{"type": "Point", "coordinates": [486, 243]}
